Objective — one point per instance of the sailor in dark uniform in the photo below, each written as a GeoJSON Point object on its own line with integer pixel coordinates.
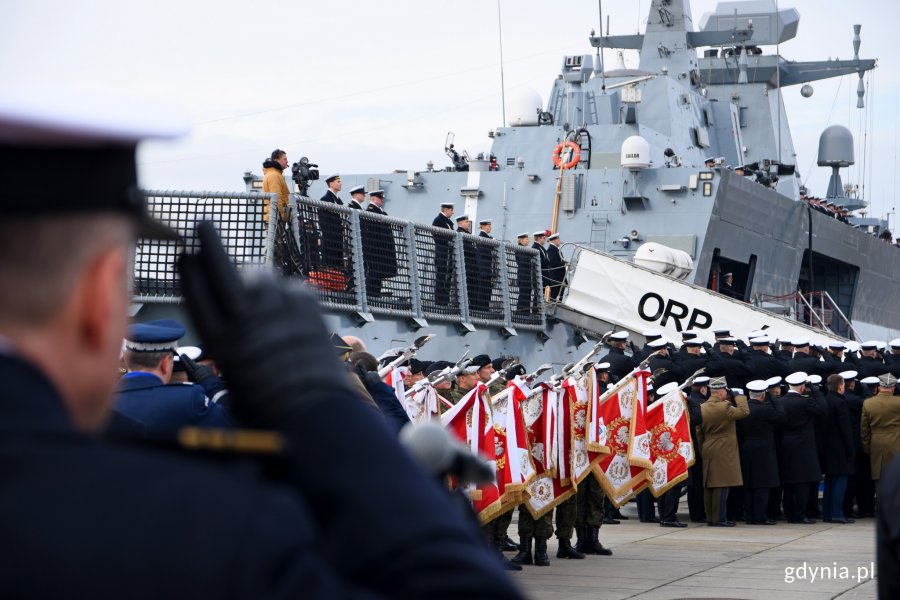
{"type": "Point", "coordinates": [331, 226]}
{"type": "Point", "coordinates": [524, 280]}
{"type": "Point", "coordinates": [539, 238]}
{"type": "Point", "coordinates": [470, 258]}
{"type": "Point", "coordinates": [727, 286]}
{"type": "Point", "coordinates": [800, 470]}
{"type": "Point", "coordinates": [759, 460]}
{"type": "Point", "coordinates": [379, 250]}
{"type": "Point", "coordinates": [557, 270]}
{"type": "Point", "coordinates": [620, 364]}
{"type": "Point", "coordinates": [145, 393]}
{"type": "Point", "coordinates": [357, 197]}
{"type": "Point", "coordinates": [762, 362]}
{"type": "Point", "coordinates": [94, 519]}
{"type": "Point", "coordinates": [443, 255]}
{"type": "Point", "coordinates": [487, 267]}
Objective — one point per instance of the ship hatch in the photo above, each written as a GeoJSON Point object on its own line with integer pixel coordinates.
{"type": "Point", "coordinates": [741, 271]}
{"type": "Point", "coordinates": [833, 276]}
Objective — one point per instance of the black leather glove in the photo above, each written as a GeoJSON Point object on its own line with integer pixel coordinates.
{"type": "Point", "coordinates": [196, 373]}
{"type": "Point", "coordinates": [267, 337]}
{"type": "Point", "coordinates": [634, 348]}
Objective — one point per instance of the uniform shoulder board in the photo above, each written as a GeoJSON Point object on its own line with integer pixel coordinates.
{"type": "Point", "coordinates": [231, 441]}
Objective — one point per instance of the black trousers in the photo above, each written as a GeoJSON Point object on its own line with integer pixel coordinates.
{"type": "Point", "coordinates": [861, 488]}
{"type": "Point", "coordinates": [796, 500]}
{"type": "Point", "coordinates": [774, 508]}
{"type": "Point", "coordinates": [695, 491]}
{"type": "Point", "coordinates": [756, 500]}
{"type": "Point", "coordinates": [736, 504]}
{"type": "Point", "coordinates": [646, 506]}
{"type": "Point", "coordinates": [668, 504]}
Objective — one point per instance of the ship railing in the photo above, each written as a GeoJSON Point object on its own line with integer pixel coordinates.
{"type": "Point", "coordinates": [247, 237]}
{"type": "Point", "coordinates": [356, 262]}
{"type": "Point", "coordinates": [816, 309]}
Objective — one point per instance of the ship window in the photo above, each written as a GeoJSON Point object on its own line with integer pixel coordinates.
{"type": "Point", "coordinates": [742, 115]}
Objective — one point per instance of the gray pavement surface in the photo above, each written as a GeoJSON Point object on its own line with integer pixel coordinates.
{"type": "Point", "coordinates": [743, 562]}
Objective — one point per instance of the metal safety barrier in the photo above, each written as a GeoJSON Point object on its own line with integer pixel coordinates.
{"type": "Point", "coordinates": [238, 217]}
{"type": "Point", "coordinates": [353, 260]}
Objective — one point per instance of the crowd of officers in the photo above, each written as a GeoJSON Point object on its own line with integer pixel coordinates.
{"type": "Point", "coordinates": [770, 420]}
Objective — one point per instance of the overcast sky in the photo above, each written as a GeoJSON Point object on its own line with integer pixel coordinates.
{"type": "Point", "coordinates": [375, 86]}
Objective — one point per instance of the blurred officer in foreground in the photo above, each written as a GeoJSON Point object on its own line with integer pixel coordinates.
{"type": "Point", "coordinates": [91, 519]}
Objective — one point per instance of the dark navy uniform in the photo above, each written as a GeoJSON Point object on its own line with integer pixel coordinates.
{"type": "Point", "coordinates": [545, 264]}
{"type": "Point", "coordinates": [443, 259]}
{"type": "Point", "coordinates": [331, 227]}
{"type": "Point", "coordinates": [163, 409]}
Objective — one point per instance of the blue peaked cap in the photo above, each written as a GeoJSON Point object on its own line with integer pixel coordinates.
{"type": "Point", "coordinates": [154, 336]}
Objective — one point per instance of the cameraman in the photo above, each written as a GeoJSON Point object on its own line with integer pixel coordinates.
{"type": "Point", "coordinates": [273, 182]}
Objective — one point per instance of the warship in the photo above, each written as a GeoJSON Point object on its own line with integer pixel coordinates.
{"type": "Point", "coordinates": [659, 180]}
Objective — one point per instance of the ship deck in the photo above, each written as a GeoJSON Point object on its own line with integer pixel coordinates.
{"type": "Point", "coordinates": [746, 561]}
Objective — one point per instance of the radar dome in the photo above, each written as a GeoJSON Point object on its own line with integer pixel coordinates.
{"type": "Point", "coordinates": [836, 147]}
{"type": "Point", "coordinates": [524, 108]}
{"type": "Point", "coordinates": [635, 153]}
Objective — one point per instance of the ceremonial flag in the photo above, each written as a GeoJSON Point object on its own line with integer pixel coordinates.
{"type": "Point", "coordinates": [519, 468]}
{"type": "Point", "coordinates": [619, 425]}
{"type": "Point", "coordinates": [671, 451]}
{"type": "Point", "coordinates": [471, 421]}
{"type": "Point", "coordinates": [394, 379]}
{"type": "Point", "coordinates": [542, 417]}
{"type": "Point", "coordinates": [578, 393]}
{"type": "Point", "coordinates": [422, 406]}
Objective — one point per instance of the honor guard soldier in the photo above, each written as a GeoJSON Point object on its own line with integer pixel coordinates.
{"type": "Point", "coordinates": [145, 392]}
{"type": "Point", "coordinates": [443, 220]}
{"type": "Point", "coordinates": [200, 518]}
{"type": "Point", "coordinates": [357, 197]}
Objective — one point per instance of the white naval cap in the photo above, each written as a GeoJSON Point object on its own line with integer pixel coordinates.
{"type": "Point", "coordinates": [773, 381]}
{"type": "Point", "coordinates": [360, 189]}
{"type": "Point", "coordinates": [757, 385]}
{"type": "Point", "coordinates": [797, 378]}
{"type": "Point", "coordinates": [814, 379]}
{"type": "Point", "coordinates": [658, 343]}
{"type": "Point", "coordinates": [653, 333]}
{"type": "Point", "coordinates": [847, 375]}
{"type": "Point", "coordinates": [667, 388]}
{"type": "Point", "coordinates": [895, 343]}
{"type": "Point", "coordinates": [762, 340]}
{"type": "Point", "coordinates": [800, 343]}
{"type": "Point", "coordinates": [871, 380]}
{"type": "Point", "coordinates": [836, 345]}
{"type": "Point", "coordinates": [538, 234]}
{"type": "Point", "coordinates": [702, 380]}
{"type": "Point", "coordinates": [619, 336]}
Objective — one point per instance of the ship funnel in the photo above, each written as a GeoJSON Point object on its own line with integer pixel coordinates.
{"type": "Point", "coordinates": [836, 151]}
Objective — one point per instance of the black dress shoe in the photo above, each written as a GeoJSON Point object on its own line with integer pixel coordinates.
{"type": "Point", "coordinates": [509, 546]}
{"type": "Point", "coordinates": [672, 524]}
{"type": "Point", "coordinates": [610, 521]}
{"type": "Point", "coordinates": [807, 522]}
{"type": "Point", "coordinates": [724, 524]}
{"type": "Point", "coordinates": [843, 521]}
{"type": "Point", "coordinates": [769, 522]}
{"type": "Point", "coordinates": [730, 523]}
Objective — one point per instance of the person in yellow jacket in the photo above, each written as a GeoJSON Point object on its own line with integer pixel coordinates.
{"type": "Point", "coordinates": [880, 425]}
{"type": "Point", "coordinates": [273, 182]}
{"type": "Point", "coordinates": [721, 460]}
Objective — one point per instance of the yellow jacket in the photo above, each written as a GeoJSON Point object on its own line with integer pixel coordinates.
{"type": "Point", "coordinates": [273, 181]}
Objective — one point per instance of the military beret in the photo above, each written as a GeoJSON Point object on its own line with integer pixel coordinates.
{"type": "Point", "coordinates": [667, 388]}
{"type": "Point", "coordinates": [757, 385]}
{"type": "Point", "coordinates": [887, 380]}
{"type": "Point", "coordinates": [717, 383]}
{"type": "Point", "coordinates": [360, 189]}
{"type": "Point", "coordinates": [438, 365]}
{"type": "Point", "coordinates": [497, 363]}
{"type": "Point", "coordinates": [480, 361]}
{"type": "Point", "coordinates": [417, 366]}
{"type": "Point", "coordinates": [154, 336]}
{"type": "Point", "coordinates": [516, 370]}
{"type": "Point", "coordinates": [798, 378]}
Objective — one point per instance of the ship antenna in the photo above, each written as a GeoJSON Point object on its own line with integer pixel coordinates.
{"type": "Point", "coordinates": [600, 49]}
{"type": "Point", "coordinates": [778, 85]}
{"type": "Point", "coordinates": [502, 82]}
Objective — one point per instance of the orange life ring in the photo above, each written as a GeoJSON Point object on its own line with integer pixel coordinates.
{"type": "Point", "coordinates": [576, 154]}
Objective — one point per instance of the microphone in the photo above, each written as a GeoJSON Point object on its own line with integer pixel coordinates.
{"type": "Point", "coordinates": [441, 455]}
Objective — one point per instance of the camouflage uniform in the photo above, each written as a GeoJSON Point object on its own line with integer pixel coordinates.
{"type": "Point", "coordinates": [529, 528]}
{"type": "Point", "coordinates": [591, 503]}
{"type": "Point", "coordinates": [456, 394]}
{"type": "Point", "coordinates": [566, 513]}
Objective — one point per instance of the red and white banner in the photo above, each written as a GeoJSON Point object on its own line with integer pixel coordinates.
{"type": "Point", "coordinates": [545, 419]}
{"type": "Point", "coordinates": [619, 424]}
{"type": "Point", "coordinates": [471, 421]}
{"type": "Point", "coordinates": [394, 379]}
{"type": "Point", "coordinates": [671, 451]}
{"type": "Point", "coordinates": [422, 406]}
{"type": "Point", "coordinates": [578, 394]}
